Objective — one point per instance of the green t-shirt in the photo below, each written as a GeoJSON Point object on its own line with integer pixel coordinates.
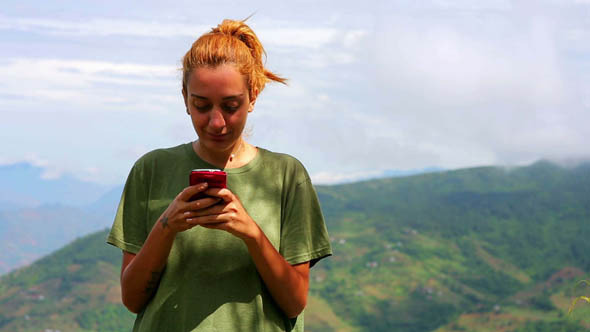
{"type": "Point", "coordinates": [210, 282]}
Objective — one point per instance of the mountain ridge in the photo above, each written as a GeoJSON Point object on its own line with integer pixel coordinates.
{"type": "Point", "coordinates": [485, 249]}
{"type": "Point", "coordinates": [25, 185]}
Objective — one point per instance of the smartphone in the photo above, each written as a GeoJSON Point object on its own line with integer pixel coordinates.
{"type": "Point", "coordinates": [215, 178]}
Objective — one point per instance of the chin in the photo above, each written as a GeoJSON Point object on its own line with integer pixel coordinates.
{"type": "Point", "coordinates": [217, 145]}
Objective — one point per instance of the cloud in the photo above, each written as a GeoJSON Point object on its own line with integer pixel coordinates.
{"type": "Point", "coordinates": [497, 86]}
{"type": "Point", "coordinates": [310, 37]}
{"type": "Point", "coordinates": [394, 85]}
{"type": "Point", "coordinates": [281, 36]}
{"type": "Point", "coordinates": [99, 27]}
{"type": "Point", "coordinates": [49, 171]}
{"type": "Point", "coordinates": [327, 178]}
{"type": "Point", "coordinates": [88, 85]}
{"type": "Point", "coordinates": [453, 66]}
{"type": "Point", "coordinates": [30, 158]}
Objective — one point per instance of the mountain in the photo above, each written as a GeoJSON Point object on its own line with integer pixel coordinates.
{"type": "Point", "coordinates": [40, 215]}
{"type": "Point", "coordinates": [73, 289]}
{"type": "Point", "coordinates": [479, 249]}
{"type": "Point", "coordinates": [27, 234]}
{"type": "Point", "coordinates": [443, 250]}
{"type": "Point", "coordinates": [30, 233]}
{"type": "Point", "coordinates": [106, 205]}
{"type": "Point", "coordinates": [58, 210]}
{"type": "Point", "coordinates": [329, 178]}
{"type": "Point", "coordinates": [25, 186]}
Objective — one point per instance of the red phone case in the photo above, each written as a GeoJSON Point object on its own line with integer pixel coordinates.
{"type": "Point", "coordinates": [215, 179]}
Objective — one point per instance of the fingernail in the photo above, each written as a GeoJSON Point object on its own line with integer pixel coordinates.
{"type": "Point", "coordinates": [204, 185]}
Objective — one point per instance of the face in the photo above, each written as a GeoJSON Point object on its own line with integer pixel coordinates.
{"type": "Point", "coordinates": [218, 102]}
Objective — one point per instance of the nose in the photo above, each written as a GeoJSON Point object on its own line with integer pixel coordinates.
{"type": "Point", "coordinates": [216, 121]}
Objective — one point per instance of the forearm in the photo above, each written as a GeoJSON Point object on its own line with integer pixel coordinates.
{"type": "Point", "coordinates": [287, 285]}
{"type": "Point", "coordinates": [140, 278]}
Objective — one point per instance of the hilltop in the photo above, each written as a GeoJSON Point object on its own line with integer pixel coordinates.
{"type": "Point", "coordinates": [479, 249]}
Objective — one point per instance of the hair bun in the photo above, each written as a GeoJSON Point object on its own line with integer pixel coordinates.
{"type": "Point", "coordinates": [242, 31]}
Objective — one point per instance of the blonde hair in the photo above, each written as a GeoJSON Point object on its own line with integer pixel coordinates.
{"type": "Point", "coordinates": [231, 42]}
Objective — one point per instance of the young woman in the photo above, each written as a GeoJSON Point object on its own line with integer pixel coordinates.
{"type": "Point", "coordinates": [239, 259]}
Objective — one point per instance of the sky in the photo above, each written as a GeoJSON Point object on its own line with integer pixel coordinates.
{"type": "Point", "coordinates": [87, 87]}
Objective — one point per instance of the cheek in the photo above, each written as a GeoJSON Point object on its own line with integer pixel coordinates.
{"type": "Point", "coordinates": [238, 120]}
{"type": "Point", "coordinates": [199, 121]}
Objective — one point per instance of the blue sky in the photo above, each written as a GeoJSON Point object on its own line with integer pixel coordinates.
{"type": "Point", "coordinates": [86, 87]}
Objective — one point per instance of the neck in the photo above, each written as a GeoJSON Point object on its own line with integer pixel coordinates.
{"type": "Point", "coordinates": [231, 158]}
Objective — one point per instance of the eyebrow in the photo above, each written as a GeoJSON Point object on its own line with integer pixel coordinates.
{"type": "Point", "coordinates": [224, 98]}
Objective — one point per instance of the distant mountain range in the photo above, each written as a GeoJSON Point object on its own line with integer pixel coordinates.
{"type": "Point", "coordinates": [56, 211]}
{"type": "Point", "coordinates": [24, 186]}
{"type": "Point", "coordinates": [38, 216]}
{"type": "Point", "coordinates": [479, 249]}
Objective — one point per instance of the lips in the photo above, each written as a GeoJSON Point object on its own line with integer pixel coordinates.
{"type": "Point", "coordinates": [218, 137]}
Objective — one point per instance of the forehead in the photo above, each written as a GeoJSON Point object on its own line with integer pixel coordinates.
{"type": "Point", "coordinates": [223, 79]}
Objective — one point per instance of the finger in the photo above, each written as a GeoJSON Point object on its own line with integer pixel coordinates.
{"type": "Point", "coordinates": [219, 225]}
{"type": "Point", "coordinates": [201, 203]}
{"type": "Point", "coordinates": [190, 191]}
{"type": "Point", "coordinates": [212, 211]}
{"type": "Point", "coordinates": [188, 226]}
{"type": "Point", "coordinates": [209, 211]}
{"type": "Point", "coordinates": [206, 220]}
{"type": "Point", "coordinates": [222, 193]}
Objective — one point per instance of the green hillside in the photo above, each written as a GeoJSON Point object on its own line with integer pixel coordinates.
{"type": "Point", "coordinates": [73, 289]}
{"type": "Point", "coordinates": [481, 249]}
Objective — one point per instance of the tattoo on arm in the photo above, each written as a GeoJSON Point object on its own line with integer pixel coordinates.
{"type": "Point", "coordinates": [153, 283]}
{"type": "Point", "coordinates": [164, 221]}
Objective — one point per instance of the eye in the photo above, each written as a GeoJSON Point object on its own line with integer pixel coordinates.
{"type": "Point", "coordinates": [231, 107]}
{"type": "Point", "coordinates": [203, 107]}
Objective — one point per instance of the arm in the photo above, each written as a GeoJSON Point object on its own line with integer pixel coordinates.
{"type": "Point", "coordinates": [288, 284]}
{"type": "Point", "coordinates": [141, 272]}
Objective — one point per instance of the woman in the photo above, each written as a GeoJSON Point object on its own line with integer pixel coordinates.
{"type": "Point", "coordinates": [239, 259]}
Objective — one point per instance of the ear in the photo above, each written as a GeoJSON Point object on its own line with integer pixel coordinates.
{"type": "Point", "coordinates": [185, 101]}
{"type": "Point", "coordinates": [252, 100]}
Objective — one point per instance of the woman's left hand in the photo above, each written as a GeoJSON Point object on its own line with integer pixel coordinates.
{"type": "Point", "coordinates": [288, 284]}
{"type": "Point", "coordinates": [228, 215]}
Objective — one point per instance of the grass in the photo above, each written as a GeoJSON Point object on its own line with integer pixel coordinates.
{"type": "Point", "coordinates": [319, 317]}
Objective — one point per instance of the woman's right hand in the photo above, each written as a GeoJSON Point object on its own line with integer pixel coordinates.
{"type": "Point", "coordinates": [141, 272]}
{"type": "Point", "coordinates": [174, 218]}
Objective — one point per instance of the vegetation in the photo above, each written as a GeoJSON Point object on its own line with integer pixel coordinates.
{"type": "Point", "coordinates": [74, 289]}
{"type": "Point", "coordinates": [481, 249]}
{"type": "Point", "coordinates": [557, 326]}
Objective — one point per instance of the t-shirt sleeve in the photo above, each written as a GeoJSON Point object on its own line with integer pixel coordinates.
{"type": "Point", "coordinates": [304, 237]}
{"type": "Point", "coordinates": [129, 227]}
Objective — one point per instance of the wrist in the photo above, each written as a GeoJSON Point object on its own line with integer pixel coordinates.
{"type": "Point", "coordinates": [254, 238]}
{"type": "Point", "coordinates": [164, 228]}
{"type": "Point", "coordinates": [168, 232]}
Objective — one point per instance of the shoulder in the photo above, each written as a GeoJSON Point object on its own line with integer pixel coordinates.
{"type": "Point", "coordinates": [158, 160]}
{"type": "Point", "coordinates": [164, 153]}
{"type": "Point", "coordinates": [286, 163]}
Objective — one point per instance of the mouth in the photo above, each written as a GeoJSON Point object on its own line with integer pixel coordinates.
{"type": "Point", "coordinates": [218, 137]}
